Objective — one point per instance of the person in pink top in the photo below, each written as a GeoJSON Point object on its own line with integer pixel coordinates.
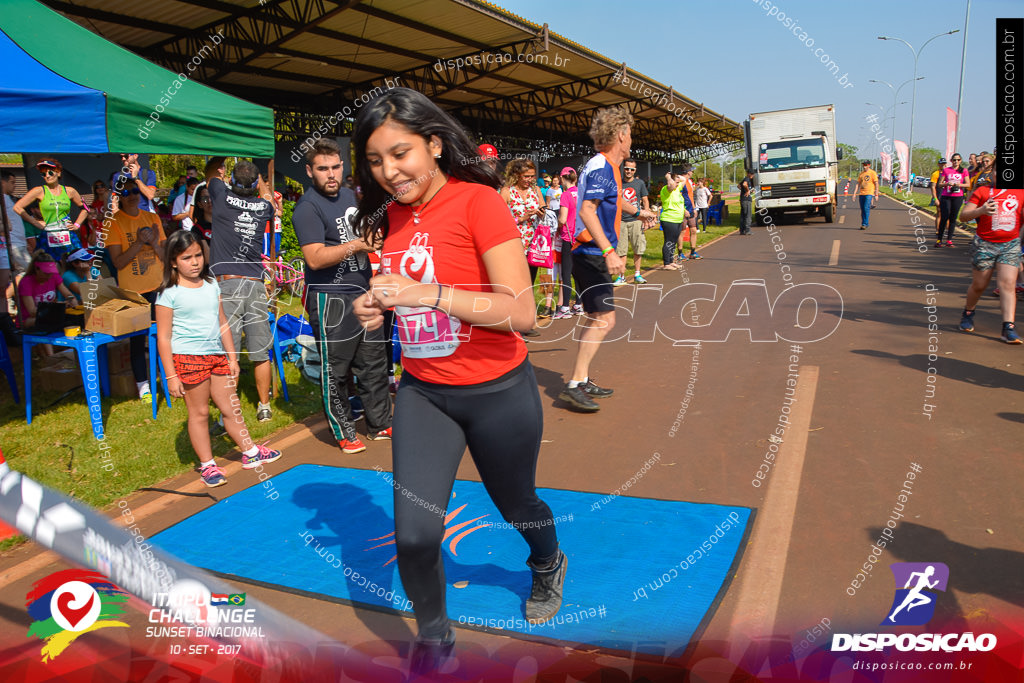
{"type": "Point", "coordinates": [952, 181]}
{"type": "Point", "coordinates": [40, 285]}
{"type": "Point", "coordinates": [566, 232]}
{"type": "Point", "coordinates": [996, 250]}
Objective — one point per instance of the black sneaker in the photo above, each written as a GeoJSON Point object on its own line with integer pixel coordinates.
{"type": "Point", "coordinates": [546, 595]}
{"type": "Point", "coordinates": [579, 398]}
{"type": "Point", "coordinates": [596, 391]}
{"type": "Point", "coordinates": [429, 655]}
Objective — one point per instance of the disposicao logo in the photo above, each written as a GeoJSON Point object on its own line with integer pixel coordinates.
{"type": "Point", "coordinates": [914, 605]}
{"type": "Point", "coordinates": [68, 603]}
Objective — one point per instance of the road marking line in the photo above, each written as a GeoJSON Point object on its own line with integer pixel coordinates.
{"type": "Point", "coordinates": [764, 563]}
{"type": "Point", "coordinates": [833, 258]}
{"type": "Point", "coordinates": [38, 562]}
{"type": "Point", "coordinates": [842, 219]}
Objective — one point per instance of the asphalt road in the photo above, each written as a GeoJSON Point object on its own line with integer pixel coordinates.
{"type": "Point", "coordinates": [869, 402]}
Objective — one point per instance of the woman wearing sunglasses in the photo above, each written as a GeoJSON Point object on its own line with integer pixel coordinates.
{"type": "Point", "coordinates": [53, 234]}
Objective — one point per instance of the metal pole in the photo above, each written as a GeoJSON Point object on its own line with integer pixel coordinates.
{"type": "Point", "coordinates": [960, 93]}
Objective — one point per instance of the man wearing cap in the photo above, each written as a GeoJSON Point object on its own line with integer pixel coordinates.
{"type": "Point", "coordinates": [135, 243]}
{"type": "Point", "coordinates": [132, 175]}
{"type": "Point", "coordinates": [866, 192]}
{"type": "Point", "coordinates": [236, 247]}
{"type": "Point", "coordinates": [489, 154]}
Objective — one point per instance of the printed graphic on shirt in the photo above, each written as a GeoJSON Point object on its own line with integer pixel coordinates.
{"type": "Point", "coordinates": [423, 331]}
{"type": "Point", "coordinates": [346, 233]}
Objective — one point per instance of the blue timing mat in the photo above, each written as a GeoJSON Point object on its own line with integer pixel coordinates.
{"type": "Point", "coordinates": [643, 574]}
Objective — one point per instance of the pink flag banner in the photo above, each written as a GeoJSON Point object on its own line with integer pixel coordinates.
{"type": "Point", "coordinates": [886, 166]}
{"type": "Point", "coordinates": [950, 132]}
{"type": "Point", "coordinates": [902, 153]}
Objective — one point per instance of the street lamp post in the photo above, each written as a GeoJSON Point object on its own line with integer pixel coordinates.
{"type": "Point", "coordinates": [895, 96]}
{"type": "Point", "coordinates": [913, 99]}
{"type": "Point", "coordinates": [886, 117]}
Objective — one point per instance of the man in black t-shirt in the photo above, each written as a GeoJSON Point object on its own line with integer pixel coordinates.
{"type": "Point", "coordinates": [236, 244]}
{"type": "Point", "coordinates": [338, 271]}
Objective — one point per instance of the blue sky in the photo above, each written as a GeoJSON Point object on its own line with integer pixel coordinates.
{"type": "Point", "coordinates": [736, 59]}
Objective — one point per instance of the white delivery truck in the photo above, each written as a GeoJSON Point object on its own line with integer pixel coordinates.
{"type": "Point", "coordinates": [795, 160]}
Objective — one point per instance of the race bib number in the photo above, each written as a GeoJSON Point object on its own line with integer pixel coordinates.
{"type": "Point", "coordinates": [1006, 216]}
{"type": "Point", "coordinates": [58, 237]}
{"type": "Point", "coordinates": [426, 332]}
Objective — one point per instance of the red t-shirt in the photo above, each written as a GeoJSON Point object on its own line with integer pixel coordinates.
{"type": "Point", "coordinates": [1005, 225]}
{"type": "Point", "coordinates": [461, 222]}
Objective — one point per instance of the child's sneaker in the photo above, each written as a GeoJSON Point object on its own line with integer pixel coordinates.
{"type": "Point", "coordinates": [351, 446]}
{"type": "Point", "coordinates": [212, 476]}
{"type": "Point", "coordinates": [143, 388]}
{"type": "Point", "coordinates": [263, 455]}
{"type": "Point", "coordinates": [1010, 335]}
{"type": "Point", "coordinates": [382, 435]}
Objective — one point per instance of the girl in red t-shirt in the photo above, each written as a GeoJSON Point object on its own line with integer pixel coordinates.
{"type": "Point", "coordinates": [996, 249]}
{"type": "Point", "coordinates": [452, 265]}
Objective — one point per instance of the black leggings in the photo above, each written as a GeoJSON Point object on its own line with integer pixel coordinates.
{"type": "Point", "coordinates": [566, 273]}
{"type": "Point", "coordinates": [949, 209]}
{"type": "Point", "coordinates": [139, 344]}
{"type": "Point", "coordinates": [501, 421]}
{"type": "Point", "coordinates": [668, 250]}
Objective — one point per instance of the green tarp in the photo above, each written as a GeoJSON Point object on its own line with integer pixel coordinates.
{"type": "Point", "coordinates": [145, 108]}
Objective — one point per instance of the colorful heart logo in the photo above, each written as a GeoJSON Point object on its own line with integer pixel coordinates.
{"type": "Point", "coordinates": [72, 614]}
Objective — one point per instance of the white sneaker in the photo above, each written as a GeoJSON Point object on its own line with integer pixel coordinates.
{"type": "Point", "coordinates": [143, 388]}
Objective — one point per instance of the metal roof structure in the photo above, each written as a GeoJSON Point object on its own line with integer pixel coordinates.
{"type": "Point", "coordinates": [510, 81]}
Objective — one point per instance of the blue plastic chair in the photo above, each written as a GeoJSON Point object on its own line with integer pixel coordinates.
{"type": "Point", "coordinates": [715, 212]}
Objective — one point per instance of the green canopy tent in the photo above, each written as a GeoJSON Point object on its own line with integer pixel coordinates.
{"type": "Point", "coordinates": [67, 90]}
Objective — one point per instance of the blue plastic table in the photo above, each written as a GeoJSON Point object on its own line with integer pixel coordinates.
{"type": "Point", "coordinates": [92, 363]}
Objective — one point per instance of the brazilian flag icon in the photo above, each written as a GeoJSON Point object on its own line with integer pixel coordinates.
{"type": "Point", "coordinates": [237, 599]}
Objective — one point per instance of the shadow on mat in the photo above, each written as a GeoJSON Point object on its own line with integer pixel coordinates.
{"type": "Point", "coordinates": [346, 523]}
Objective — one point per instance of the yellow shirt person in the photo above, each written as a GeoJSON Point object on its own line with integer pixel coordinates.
{"type": "Point", "coordinates": [866, 192]}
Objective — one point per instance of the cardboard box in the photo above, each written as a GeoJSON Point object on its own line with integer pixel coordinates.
{"type": "Point", "coordinates": [122, 384]}
{"type": "Point", "coordinates": [112, 310]}
{"type": "Point", "coordinates": [119, 357]}
{"type": "Point", "coordinates": [58, 378]}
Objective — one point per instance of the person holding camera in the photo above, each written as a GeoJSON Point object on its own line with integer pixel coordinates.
{"type": "Point", "coordinates": [136, 245]}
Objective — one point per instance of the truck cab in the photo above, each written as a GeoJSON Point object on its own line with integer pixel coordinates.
{"type": "Point", "coordinates": [795, 161]}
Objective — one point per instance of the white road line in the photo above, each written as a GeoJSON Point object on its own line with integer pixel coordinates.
{"type": "Point", "coordinates": [764, 564]}
{"type": "Point", "coordinates": [842, 219]}
{"type": "Point", "coordinates": [833, 258]}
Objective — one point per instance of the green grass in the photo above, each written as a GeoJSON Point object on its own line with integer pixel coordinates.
{"type": "Point", "coordinates": [58, 449]}
{"type": "Point", "coordinates": [921, 201]}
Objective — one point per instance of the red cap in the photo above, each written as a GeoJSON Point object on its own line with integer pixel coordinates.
{"type": "Point", "coordinates": [487, 151]}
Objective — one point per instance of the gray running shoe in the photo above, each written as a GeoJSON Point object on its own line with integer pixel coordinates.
{"type": "Point", "coordinates": [579, 398]}
{"type": "Point", "coordinates": [596, 391]}
{"type": "Point", "coordinates": [546, 595]}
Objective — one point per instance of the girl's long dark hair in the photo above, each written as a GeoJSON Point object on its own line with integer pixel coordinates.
{"type": "Point", "coordinates": [176, 244]}
{"type": "Point", "coordinates": [459, 156]}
